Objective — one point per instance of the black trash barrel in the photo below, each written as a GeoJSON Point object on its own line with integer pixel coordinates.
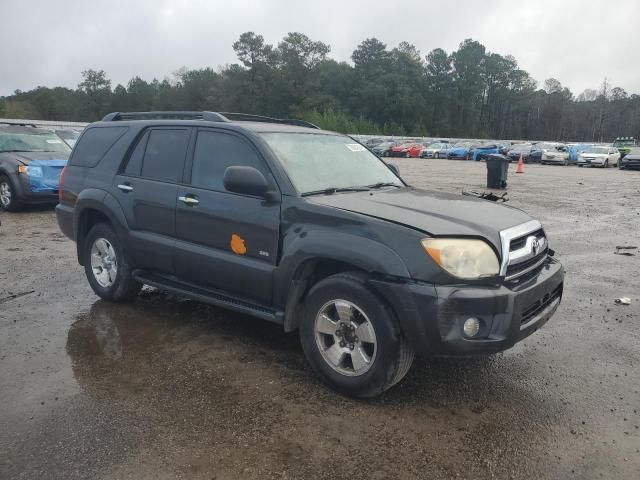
{"type": "Point", "coordinates": [497, 170]}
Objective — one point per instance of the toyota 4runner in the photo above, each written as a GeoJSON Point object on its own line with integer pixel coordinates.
{"type": "Point", "coordinates": [310, 230]}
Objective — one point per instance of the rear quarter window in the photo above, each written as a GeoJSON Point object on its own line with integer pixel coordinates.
{"type": "Point", "coordinates": [94, 144]}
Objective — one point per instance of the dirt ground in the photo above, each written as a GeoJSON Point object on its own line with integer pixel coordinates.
{"type": "Point", "coordinates": [168, 388]}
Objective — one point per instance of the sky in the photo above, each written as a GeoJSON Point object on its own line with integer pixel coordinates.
{"type": "Point", "coordinates": [49, 42]}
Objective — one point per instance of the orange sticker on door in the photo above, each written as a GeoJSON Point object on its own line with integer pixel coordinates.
{"type": "Point", "coordinates": [237, 245]}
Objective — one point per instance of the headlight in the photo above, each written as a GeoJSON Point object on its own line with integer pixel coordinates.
{"type": "Point", "coordinates": [463, 258]}
{"type": "Point", "coordinates": [32, 171]}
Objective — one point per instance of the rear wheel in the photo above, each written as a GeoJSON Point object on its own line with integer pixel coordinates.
{"type": "Point", "coordinates": [8, 198]}
{"type": "Point", "coordinates": [606, 163]}
{"type": "Point", "coordinates": [351, 339]}
{"type": "Point", "coordinates": [106, 267]}
{"type": "Point", "coordinates": [437, 155]}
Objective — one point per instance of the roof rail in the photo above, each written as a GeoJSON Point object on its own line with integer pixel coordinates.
{"type": "Point", "coordinates": [207, 116]}
{"type": "Point", "coordinates": [248, 117]}
{"type": "Point", "coordinates": [19, 124]}
{"type": "Point", "coordinates": [159, 115]}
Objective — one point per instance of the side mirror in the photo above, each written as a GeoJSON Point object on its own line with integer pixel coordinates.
{"type": "Point", "coordinates": [245, 180]}
{"type": "Point", "coordinates": [394, 168]}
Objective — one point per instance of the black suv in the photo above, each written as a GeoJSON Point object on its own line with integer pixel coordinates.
{"type": "Point", "coordinates": [310, 230]}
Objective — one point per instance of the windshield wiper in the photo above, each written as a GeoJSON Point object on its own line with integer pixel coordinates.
{"type": "Point", "coordinates": [331, 190]}
{"type": "Point", "coordinates": [384, 184]}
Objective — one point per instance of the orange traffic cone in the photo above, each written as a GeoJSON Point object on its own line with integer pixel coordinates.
{"type": "Point", "coordinates": [520, 168]}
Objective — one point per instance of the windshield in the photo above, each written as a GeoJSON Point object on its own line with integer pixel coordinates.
{"type": "Point", "coordinates": [547, 146]}
{"type": "Point", "coordinates": [461, 145]}
{"type": "Point", "coordinates": [604, 150]}
{"type": "Point", "coordinates": [23, 140]}
{"type": "Point", "coordinates": [436, 145]}
{"type": "Point", "coordinates": [624, 143]}
{"type": "Point", "coordinates": [521, 147]}
{"type": "Point", "coordinates": [317, 162]}
{"type": "Point", "coordinates": [69, 136]}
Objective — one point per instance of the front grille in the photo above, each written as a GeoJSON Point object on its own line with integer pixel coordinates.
{"type": "Point", "coordinates": [519, 242]}
{"type": "Point", "coordinates": [539, 305]}
{"type": "Point", "coordinates": [516, 268]}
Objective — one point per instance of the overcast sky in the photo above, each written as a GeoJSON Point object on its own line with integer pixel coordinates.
{"type": "Point", "coordinates": [49, 42]}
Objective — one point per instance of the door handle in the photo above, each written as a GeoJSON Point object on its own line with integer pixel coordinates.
{"type": "Point", "coordinates": [125, 188]}
{"type": "Point", "coordinates": [187, 200]}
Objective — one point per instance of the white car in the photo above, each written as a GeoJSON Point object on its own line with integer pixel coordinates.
{"type": "Point", "coordinates": [599, 156]}
{"type": "Point", "coordinates": [550, 152]}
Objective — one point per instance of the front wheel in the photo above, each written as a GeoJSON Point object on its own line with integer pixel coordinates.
{"type": "Point", "coordinates": [606, 163]}
{"type": "Point", "coordinates": [8, 198]}
{"type": "Point", "coordinates": [351, 339]}
{"type": "Point", "coordinates": [106, 267]}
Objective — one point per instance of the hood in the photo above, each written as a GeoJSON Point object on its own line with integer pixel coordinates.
{"type": "Point", "coordinates": [435, 213]}
{"type": "Point", "coordinates": [632, 156]}
{"type": "Point", "coordinates": [26, 157]}
{"type": "Point", "coordinates": [594, 155]}
{"type": "Point", "coordinates": [399, 148]}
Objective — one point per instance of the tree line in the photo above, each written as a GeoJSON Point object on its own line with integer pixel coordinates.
{"type": "Point", "coordinates": [468, 93]}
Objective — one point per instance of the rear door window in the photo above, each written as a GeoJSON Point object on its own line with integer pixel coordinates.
{"type": "Point", "coordinates": [164, 156]}
{"type": "Point", "coordinates": [94, 144]}
{"type": "Point", "coordinates": [214, 152]}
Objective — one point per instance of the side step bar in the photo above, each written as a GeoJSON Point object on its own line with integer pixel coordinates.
{"type": "Point", "coordinates": [211, 297]}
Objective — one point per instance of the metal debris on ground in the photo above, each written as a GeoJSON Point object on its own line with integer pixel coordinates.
{"type": "Point", "coordinates": [488, 196]}
{"type": "Point", "coordinates": [623, 301]}
{"type": "Point", "coordinates": [620, 250]}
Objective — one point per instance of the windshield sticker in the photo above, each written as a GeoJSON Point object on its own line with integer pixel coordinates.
{"type": "Point", "coordinates": [355, 147]}
{"type": "Point", "coordinates": [54, 141]}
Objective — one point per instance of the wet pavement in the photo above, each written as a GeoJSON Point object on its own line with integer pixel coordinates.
{"type": "Point", "coordinates": [170, 388]}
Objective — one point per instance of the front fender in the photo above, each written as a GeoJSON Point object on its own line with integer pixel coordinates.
{"type": "Point", "coordinates": [361, 252]}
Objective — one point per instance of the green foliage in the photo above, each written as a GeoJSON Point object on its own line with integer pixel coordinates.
{"type": "Point", "coordinates": [469, 92]}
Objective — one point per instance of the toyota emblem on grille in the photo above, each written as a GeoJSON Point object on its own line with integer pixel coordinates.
{"type": "Point", "coordinates": [535, 246]}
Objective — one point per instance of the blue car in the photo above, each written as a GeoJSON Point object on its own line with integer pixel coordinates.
{"type": "Point", "coordinates": [481, 152]}
{"type": "Point", "coordinates": [460, 150]}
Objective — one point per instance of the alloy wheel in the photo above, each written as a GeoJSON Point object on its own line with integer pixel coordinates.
{"type": "Point", "coordinates": [104, 263]}
{"type": "Point", "coordinates": [345, 337]}
{"type": "Point", "coordinates": [5, 194]}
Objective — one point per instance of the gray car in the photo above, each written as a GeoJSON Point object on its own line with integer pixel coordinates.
{"type": "Point", "coordinates": [31, 161]}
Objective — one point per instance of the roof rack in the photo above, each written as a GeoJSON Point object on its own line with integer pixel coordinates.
{"type": "Point", "coordinates": [19, 124]}
{"type": "Point", "coordinates": [186, 115]}
{"type": "Point", "coordinates": [206, 116]}
{"type": "Point", "coordinates": [248, 117]}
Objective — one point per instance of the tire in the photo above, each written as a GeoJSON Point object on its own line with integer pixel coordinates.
{"type": "Point", "coordinates": [407, 155]}
{"type": "Point", "coordinates": [118, 285]}
{"type": "Point", "coordinates": [385, 154]}
{"type": "Point", "coordinates": [437, 155]}
{"type": "Point", "coordinates": [386, 360]}
{"type": "Point", "coordinates": [8, 198]}
{"type": "Point", "coordinates": [606, 163]}
{"type": "Point", "coordinates": [566, 162]}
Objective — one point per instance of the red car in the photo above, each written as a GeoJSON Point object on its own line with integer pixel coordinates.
{"type": "Point", "coordinates": [407, 150]}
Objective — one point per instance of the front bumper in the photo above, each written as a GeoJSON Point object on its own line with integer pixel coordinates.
{"type": "Point", "coordinates": [557, 160]}
{"type": "Point", "coordinates": [432, 315]}
{"type": "Point", "coordinates": [596, 162]}
{"type": "Point", "coordinates": [26, 195]}
{"type": "Point", "coordinates": [632, 163]}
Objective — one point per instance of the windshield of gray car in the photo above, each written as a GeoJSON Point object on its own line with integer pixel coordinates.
{"type": "Point", "coordinates": [521, 147]}
{"type": "Point", "coordinates": [315, 161]}
{"type": "Point", "coordinates": [29, 139]}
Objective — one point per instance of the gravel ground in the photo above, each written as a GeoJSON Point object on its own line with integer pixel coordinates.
{"type": "Point", "coordinates": [169, 388]}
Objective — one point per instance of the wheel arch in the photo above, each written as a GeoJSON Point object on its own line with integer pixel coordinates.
{"type": "Point", "coordinates": [312, 262]}
{"type": "Point", "coordinates": [96, 206]}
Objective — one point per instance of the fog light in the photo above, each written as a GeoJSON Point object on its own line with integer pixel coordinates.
{"type": "Point", "coordinates": [471, 327]}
